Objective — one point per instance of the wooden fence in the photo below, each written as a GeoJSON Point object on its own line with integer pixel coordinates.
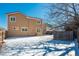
{"type": "Point", "coordinates": [78, 36]}
{"type": "Point", "coordinates": [63, 35]}
{"type": "Point", "coordinates": [2, 37]}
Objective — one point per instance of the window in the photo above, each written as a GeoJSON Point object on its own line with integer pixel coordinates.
{"type": "Point", "coordinates": [12, 19]}
{"type": "Point", "coordinates": [36, 23]}
{"type": "Point", "coordinates": [39, 22]}
{"type": "Point", "coordinates": [38, 29]}
{"type": "Point", "coordinates": [15, 28]}
{"type": "Point", "coordinates": [24, 29]}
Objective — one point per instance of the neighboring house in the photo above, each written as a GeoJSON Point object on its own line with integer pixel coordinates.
{"type": "Point", "coordinates": [21, 25]}
{"type": "Point", "coordinates": [49, 29]}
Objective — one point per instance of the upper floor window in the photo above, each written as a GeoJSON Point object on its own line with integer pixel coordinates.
{"type": "Point", "coordinates": [39, 22]}
{"type": "Point", "coordinates": [36, 23]}
{"type": "Point", "coordinates": [12, 18]}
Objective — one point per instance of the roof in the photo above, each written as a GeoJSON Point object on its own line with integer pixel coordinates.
{"type": "Point", "coordinates": [33, 18]}
{"type": "Point", "coordinates": [13, 13]}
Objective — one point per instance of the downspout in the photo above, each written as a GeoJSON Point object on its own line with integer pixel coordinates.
{"type": "Point", "coordinates": [41, 26]}
{"type": "Point", "coordinates": [28, 27]}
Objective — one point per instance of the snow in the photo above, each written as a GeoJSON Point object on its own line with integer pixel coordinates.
{"type": "Point", "coordinates": [37, 46]}
{"type": "Point", "coordinates": [76, 48]}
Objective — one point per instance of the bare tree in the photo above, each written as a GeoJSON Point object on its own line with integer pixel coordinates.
{"type": "Point", "coordinates": [64, 14]}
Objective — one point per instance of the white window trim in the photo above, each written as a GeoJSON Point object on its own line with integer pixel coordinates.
{"type": "Point", "coordinates": [11, 17]}
{"type": "Point", "coordinates": [37, 29]}
{"type": "Point", "coordinates": [24, 27]}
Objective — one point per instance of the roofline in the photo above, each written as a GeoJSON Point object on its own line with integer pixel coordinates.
{"type": "Point", "coordinates": [23, 14]}
{"type": "Point", "coordinates": [13, 12]}
{"type": "Point", "coordinates": [38, 19]}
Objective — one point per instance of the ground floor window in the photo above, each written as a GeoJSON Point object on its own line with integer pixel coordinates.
{"type": "Point", "coordinates": [38, 29]}
{"type": "Point", "coordinates": [24, 29]}
{"type": "Point", "coordinates": [15, 28]}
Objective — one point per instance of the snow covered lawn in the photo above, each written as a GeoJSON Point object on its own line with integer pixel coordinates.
{"type": "Point", "coordinates": [37, 46]}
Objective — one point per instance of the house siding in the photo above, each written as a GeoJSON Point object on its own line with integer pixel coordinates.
{"type": "Point", "coordinates": [22, 21]}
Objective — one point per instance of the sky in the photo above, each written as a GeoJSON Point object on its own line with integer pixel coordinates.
{"type": "Point", "coordinates": [30, 9]}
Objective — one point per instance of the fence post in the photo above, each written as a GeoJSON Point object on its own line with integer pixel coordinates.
{"type": "Point", "coordinates": [2, 36]}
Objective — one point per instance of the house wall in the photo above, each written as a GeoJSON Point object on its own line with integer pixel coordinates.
{"type": "Point", "coordinates": [22, 21]}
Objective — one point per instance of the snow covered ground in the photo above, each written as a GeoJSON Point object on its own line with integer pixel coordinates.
{"type": "Point", "coordinates": [37, 46]}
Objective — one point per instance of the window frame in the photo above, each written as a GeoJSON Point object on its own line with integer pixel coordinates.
{"type": "Point", "coordinates": [37, 30]}
{"type": "Point", "coordinates": [14, 29]}
{"type": "Point", "coordinates": [39, 22]}
{"type": "Point", "coordinates": [11, 19]}
{"type": "Point", "coordinates": [24, 29]}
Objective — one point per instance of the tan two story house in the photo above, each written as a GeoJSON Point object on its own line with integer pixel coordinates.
{"type": "Point", "coordinates": [21, 25]}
